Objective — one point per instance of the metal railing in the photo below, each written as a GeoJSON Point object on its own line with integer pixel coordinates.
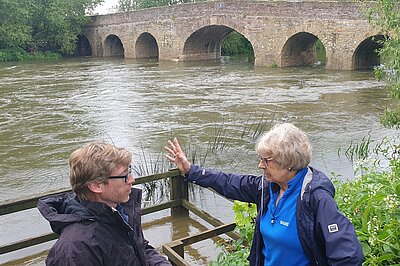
{"type": "Point", "coordinates": [178, 203]}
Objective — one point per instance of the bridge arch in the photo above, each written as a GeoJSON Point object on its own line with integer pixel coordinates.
{"type": "Point", "coordinates": [113, 46]}
{"type": "Point", "coordinates": [300, 50]}
{"type": "Point", "coordinates": [146, 46]}
{"type": "Point", "coordinates": [83, 47]}
{"type": "Point", "coordinates": [365, 55]}
{"type": "Point", "coordinates": [205, 43]}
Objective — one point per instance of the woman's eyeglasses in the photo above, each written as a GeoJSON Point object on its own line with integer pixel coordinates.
{"type": "Point", "coordinates": [266, 160]}
{"type": "Point", "coordinates": [125, 177]}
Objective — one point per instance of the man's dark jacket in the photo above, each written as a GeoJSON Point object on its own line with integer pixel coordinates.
{"type": "Point", "coordinates": [326, 235]}
{"type": "Point", "coordinates": [92, 233]}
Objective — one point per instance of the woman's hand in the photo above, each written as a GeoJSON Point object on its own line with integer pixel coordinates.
{"type": "Point", "coordinates": [177, 156]}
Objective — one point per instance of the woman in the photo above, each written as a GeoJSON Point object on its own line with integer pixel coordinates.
{"type": "Point", "coordinates": [298, 221]}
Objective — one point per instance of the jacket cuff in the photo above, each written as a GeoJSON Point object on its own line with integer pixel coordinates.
{"type": "Point", "coordinates": [194, 173]}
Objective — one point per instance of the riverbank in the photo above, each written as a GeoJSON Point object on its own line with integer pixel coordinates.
{"type": "Point", "coordinates": [15, 55]}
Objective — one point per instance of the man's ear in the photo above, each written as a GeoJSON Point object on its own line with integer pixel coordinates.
{"type": "Point", "coordinates": [96, 188]}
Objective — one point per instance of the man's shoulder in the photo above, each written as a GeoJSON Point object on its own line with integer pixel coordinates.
{"type": "Point", "coordinates": [78, 231]}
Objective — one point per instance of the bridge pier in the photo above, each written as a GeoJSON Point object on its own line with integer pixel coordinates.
{"type": "Point", "coordinates": [200, 56]}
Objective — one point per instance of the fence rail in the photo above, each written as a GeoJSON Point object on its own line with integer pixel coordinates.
{"type": "Point", "coordinates": [178, 203]}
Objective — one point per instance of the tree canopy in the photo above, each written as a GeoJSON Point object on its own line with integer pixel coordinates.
{"type": "Point", "coordinates": [128, 5]}
{"type": "Point", "coordinates": [43, 25]}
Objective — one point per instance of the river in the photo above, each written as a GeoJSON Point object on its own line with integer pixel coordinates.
{"type": "Point", "coordinates": [216, 109]}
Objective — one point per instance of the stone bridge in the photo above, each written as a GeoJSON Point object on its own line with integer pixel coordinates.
{"type": "Point", "coordinates": [281, 33]}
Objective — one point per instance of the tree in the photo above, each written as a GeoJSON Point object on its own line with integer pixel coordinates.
{"type": "Point", "coordinates": [57, 23]}
{"type": "Point", "coordinates": [385, 14]}
{"type": "Point", "coordinates": [44, 25]}
{"type": "Point", "coordinates": [128, 5]}
{"type": "Point", "coordinates": [15, 26]}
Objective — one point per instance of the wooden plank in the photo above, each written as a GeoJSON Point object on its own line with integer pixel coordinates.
{"type": "Point", "coordinates": [27, 243]}
{"type": "Point", "coordinates": [44, 238]}
{"type": "Point", "coordinates": [207, 217]}
{"type": "Point", "coordinates": [162, 206]}
{"type": "Point", "coordinates": [171, 173]}
{"type": "Point", "coordinates": [11, 206]}
{"type": "Point", "coordinates": [202, 214]}
{"type": "Point", "coordinates": [17, 205]}
{"type": "Point", "coordinates": [173, 256]}
{"type": "Point", "coordinates": [206, 234]}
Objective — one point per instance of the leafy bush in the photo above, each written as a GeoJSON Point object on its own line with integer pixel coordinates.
{"type": "Point", "coordinates": [372, 202]}
{"type": "Point", "coordinates": [7, 55]}
{"type": "Point", "coordinates": [236, 252]}
{"type": "Point", "coordinates": [236, 44]}
{"type": "Point", "coordinates": [19, 54]}
{"type": "Point", "coordinates": [384, 15]}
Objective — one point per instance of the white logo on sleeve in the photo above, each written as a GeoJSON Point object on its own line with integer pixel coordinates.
{"type": "Point", "coordinates": [333, 228]}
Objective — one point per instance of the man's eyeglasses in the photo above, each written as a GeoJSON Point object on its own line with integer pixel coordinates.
{"type": "Point", "coordinates": [266, 160]}
{"type": "Point", "coordinates": [125, 177]}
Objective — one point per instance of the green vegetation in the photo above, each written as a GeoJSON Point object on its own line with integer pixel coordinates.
{"type": "Point", "coordinates": [273, 65]}
{"type": "Point", "coordinates": [321, 53]}
{"type": "Point", "coordinates": [385, 15]}
{"type": "Point", "coordinates": [236, 252]}
{"type": "Point", "coordinates": [20, 54]}
{"type": "Point", "coordinates": [236, 44]}
{"type": "Point", "coordinates": [372, 202]}
{"type": "Point", "coordinates": [128, 5]}
{"type": "Point", "coordinates": [38, 27]}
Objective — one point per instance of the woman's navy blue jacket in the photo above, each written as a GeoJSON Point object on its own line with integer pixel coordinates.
{"type": "Point", "coordinates": [326, 235]}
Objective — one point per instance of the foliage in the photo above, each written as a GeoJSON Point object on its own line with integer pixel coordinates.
{"type": "Point", "coordinates": [235, 44]}
{"type": "Point", "coordinates": [273, 65]}
{"type": "Point", "coordinates": [129, 5]}
{"type": "Point", "coordinates": [15, 28]}
{"type": "Point", "coordinates": [372, 202]}
{"type": "Point", "coordinates": [321, 52]}
{"type": "Point", "coordinates": [20, 54]}
{"type": "Point", "coordinates": [37, 25]}
{"type": "Point", "coordinates": [236, 253]}
{"type": "Point", "coordinates": [385, 15]}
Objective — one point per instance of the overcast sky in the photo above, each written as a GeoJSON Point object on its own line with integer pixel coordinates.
{"type": "Point", "coordinates": [104, 8]}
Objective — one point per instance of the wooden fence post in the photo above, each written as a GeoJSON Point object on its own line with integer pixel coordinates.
{"type": "Point", "coordinates": [179, 190]}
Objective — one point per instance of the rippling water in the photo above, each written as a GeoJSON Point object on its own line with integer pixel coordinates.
{"type": "Point", "coordinates": [47, 109]}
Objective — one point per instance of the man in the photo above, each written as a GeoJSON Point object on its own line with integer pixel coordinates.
{"type": "Point", "coordinates": [99, 222]}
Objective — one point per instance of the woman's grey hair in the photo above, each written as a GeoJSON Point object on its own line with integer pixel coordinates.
{"type": "Point", "coordinates": [94, 162]}
{"type": "Point", "coordinates": [287, 145]}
